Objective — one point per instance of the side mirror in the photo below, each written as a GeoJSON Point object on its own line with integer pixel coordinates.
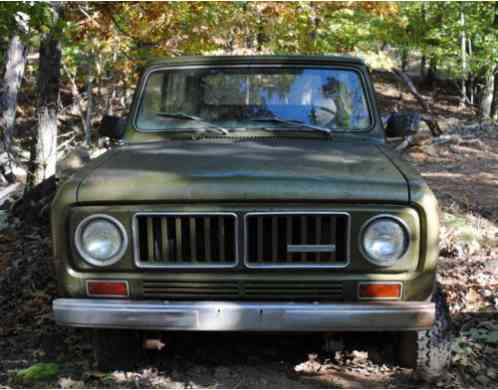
{"type": "Point", "coordinates": [403, 124]}
{"type": "Point", "coordinates": [112, 127]}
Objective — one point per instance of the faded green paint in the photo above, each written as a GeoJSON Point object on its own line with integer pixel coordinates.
{"type": "Point", "coordinates": [251, 170]}
{"type": "Point", "coordinates": [352, 173]}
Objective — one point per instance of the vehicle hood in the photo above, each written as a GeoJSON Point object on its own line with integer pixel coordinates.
{"type": "Point", "coordinates": [271, 169]}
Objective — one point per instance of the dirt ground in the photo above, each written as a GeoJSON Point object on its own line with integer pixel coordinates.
{"type": "Point", "coordinates": [464, 176]}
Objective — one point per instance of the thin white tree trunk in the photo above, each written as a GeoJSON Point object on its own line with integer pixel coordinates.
{"type": "Point", "coordinates": [463, 40]}
{"type": "Point", "coordinates": [112, 95]}
{"type": "Point", "coordinates": [44, 153]}
{"type": "Point", "coordinates": [487, 93]}
{"type": "Point", "coordinates": [471, 77]}
{"type": "Point", "coordinates": [423, 59]}
{"type": "Point", "coordinates": [46, 145]}
{"type": "Point", "coordinates": [89, 104]}
{"type": "Point", "coordinates": [494, 99]}
{"type": "Point", "coordinates": [494, 105]}
{"type": "Point", "coordinates": [14, 72]}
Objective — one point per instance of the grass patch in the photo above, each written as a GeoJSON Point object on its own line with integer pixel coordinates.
{"type": "Point", "coordinates": [467, 233]}
{"type": "Point", "coordinates": [39, 372]}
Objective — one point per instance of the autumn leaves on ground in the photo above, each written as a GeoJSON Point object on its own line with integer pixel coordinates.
{"type": "Point", "coordinates": [461, 167]}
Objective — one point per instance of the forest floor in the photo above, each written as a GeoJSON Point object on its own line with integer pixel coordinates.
{"type": "Point", "coordinates": [464, 176]}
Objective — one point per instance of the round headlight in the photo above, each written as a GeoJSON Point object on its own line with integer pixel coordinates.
{"type": "Point", "coordinates": [101, 240]}
{"type": "Point", "coordinates": [385, 240]}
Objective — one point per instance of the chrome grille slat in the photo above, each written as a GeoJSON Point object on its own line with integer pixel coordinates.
{"type": "Point", "coordinates": [274, 232]}
{"type": "Point", "coordinates": [333, 233]}
{"type": "Point", "coordinates": [297, 239]}
{"type": "Point", "coordinates": [150, 238]}
{"type": "Point", "coordinates": [193, 239]}
{"type": "Point", "coordinates": [178, 239]}
{"type": "Point", "coordinates": [288, 235]}
{"type": "Point", "coordinates": [207, 242]}
{"type": "Point", "coordinates": [260, 239]}
{"type": "Point", "coordinates": [185, 240]}
{"type": "Point", "coordinates": [164, 239]}
{"type": "Point", "coordinates": [221, 233]}
{"type": "Point", "coordinates": [304, 235]}
{"type": "Point", "coordinates": [318, 234]}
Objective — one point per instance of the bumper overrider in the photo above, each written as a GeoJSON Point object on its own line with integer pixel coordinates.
{"type": "Point", "coordinates": [243, 316]}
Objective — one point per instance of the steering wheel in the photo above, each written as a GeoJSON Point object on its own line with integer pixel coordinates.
{"type": "Point", "coordinates": [326, 109]}
{"type": "Point", "coordinates": [330, 123]}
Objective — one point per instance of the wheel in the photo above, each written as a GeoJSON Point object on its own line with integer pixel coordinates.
{"type": "Point", "coordinates": [116, 349]}
{"type": "Point", "coordinates": [428, 352]}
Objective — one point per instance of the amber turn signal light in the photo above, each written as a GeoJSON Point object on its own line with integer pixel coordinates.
{"type": "Point", "coordinates": [379, 290]}
{"type": "Point", "coordinates": [107, 288]}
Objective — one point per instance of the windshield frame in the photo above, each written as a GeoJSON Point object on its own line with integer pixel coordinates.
{"type": "Point", "coordinates": [139, 96]}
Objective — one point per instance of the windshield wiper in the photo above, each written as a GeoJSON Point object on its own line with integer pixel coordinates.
{"type": "Point", "coordinates": [291, 122]}
{"type": "Point", "coordinates": [182, 115]}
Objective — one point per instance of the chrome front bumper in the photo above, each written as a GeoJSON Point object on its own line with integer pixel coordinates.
{"type": "Point", "coordinates": [244, 316]}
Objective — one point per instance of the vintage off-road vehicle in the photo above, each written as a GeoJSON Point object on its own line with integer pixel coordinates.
{"type": "Point", "coordinates": [249, 194]}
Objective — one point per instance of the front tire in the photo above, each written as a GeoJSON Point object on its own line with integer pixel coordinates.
{"type": "Point", "coordinates": [428, 352]}
{"type": "Point", "coordinates": [116, 349]}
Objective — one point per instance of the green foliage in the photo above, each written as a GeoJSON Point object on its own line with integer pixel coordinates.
{"type": "Point", "coordinates": [101, 39]}
{"type": "Point", "coordinates": [14, 16]}
{"type": "Point", "coordinates": [39, 372]}
{"type": "Point", "coordinates": [193, 28]}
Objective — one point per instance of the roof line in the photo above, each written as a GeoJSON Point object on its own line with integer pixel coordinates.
{"type": "Point", "coordinates": [229, 59]}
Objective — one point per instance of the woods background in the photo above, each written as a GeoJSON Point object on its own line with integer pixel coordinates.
{"type": "Point", "coordinates": [65, 65]}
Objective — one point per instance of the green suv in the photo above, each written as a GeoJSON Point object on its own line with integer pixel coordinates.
{"type": "Point", "coordinates": [251, 194]}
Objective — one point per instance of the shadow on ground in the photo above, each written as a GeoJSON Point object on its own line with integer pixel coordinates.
{"type": "Point", "coordinates": [221, 360]}
{"type": "Point", "coordinates": [245, 360]}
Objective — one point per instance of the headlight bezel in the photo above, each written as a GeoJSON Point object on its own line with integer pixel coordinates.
{"type": "Point", "coordinates": [78, 233]}
{"type": "Point", "coordinates": [407, 239]}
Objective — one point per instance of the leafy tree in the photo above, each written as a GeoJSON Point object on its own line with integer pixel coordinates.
{"type": "Point", "coordinates": [104, 45]}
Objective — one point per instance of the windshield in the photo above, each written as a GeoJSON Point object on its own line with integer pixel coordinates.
{"type": "Point", "coordinates": [245, 98]}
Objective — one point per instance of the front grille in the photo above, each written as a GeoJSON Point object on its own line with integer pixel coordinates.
{"type": "Point", "coordinates": [301, 240]}
{"type": "Point", "coordinates": [244, 290]}
{"type": "Point", "coordinates": [186, 240]}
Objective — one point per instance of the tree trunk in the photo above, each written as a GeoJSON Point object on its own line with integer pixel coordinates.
{"type": "Point", "coordinates": [89, 104]}
{"type": "Point", "coordinates": [44, 151]}
{"type": "Point", "coordinates": [431, 73]}
{"type": "Point", "coordinates": [404, 59]}
{"type": "Point", "coordinates": [494, 105]}
{"type": "Point", "coordinates": [429, 118]}
{"type": "Point", "coordinates": [487, 93]}
{"type": "Point", "coordinates": [314, 22]}
{"type": "Point", "coordinates": [76, 98]}
{"type": "Point", "coordinates": [470, 80]}
{"type": "Point", "coordinates": [463, 40]}
{"type": "Point", "coordinates": [423, 61]}
{"type": "Point", "coordinates": [124, 96]}
{"type": "Point", "coordinates": [14, 72]}
{"type": "Point", "coordinates": [112, 81]}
